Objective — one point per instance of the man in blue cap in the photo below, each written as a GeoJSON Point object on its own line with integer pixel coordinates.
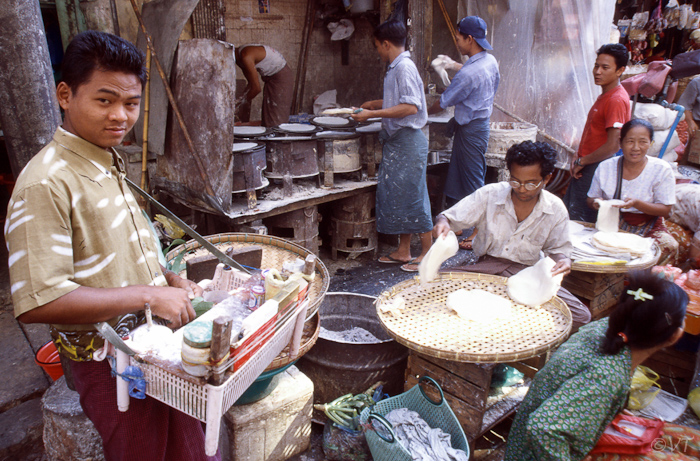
{"type": "Point", "coordinates": [471, 92]}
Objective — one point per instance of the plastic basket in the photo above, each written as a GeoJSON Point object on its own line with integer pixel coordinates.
{"type": "Point", "coordinates": [436, 414]}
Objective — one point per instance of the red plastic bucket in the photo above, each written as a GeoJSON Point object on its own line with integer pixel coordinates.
{"type": "Point", "coordinates": [47, 358]}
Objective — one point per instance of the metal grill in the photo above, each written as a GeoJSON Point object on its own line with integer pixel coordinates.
{"type": "Point", "coordinates": [208, 20]}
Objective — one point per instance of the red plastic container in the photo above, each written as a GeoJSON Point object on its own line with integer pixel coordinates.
{"type": "Point", "coordinates": [47, 357]}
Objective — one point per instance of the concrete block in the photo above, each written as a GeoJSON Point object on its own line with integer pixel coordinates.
{"type": "Point", "coordinates": [276, 427]}
{"type": "Point", "coordinates": [28, 380]}
{"type": "Point", "coordinates": [68, 434]}
{"type": "Point", "coordinates": [20, 431]}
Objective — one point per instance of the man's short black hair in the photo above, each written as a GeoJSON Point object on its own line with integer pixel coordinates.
{"type": "Point", "coordinates": [93, 50]}
{"type": "Point", "coordinates": [392, 30]}
{"type": "Point", "coordinates": [531, 153]}
{"type": "Point", "coordinates": [618, 51]}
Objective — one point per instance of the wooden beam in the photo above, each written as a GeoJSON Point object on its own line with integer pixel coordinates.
{"type": "Point", "coordinates": [420, 35]}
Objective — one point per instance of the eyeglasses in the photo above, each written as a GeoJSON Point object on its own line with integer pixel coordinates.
{"type": "Point", "coordinates": [528, 185]}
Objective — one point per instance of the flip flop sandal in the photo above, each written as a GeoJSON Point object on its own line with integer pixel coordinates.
{"type": "Point", "coordinates": [465, 244]}
{"type": "Point", "coordinates": [410, 267]}
{"type": "Point", "coordinates": [388, 259]}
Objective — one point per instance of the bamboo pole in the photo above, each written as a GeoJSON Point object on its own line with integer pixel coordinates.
{"type": "Point", "coordinates": [176, 110]}
{"type": "Point", "coordinates": [450, 26]}
{"type": "Point", "coordinates": [300, 82]}
{"type": "Point", "coordinates": [146, 110]}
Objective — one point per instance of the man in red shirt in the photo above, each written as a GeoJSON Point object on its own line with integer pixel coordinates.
{"type": "Point", "coordinates": [601, 135]}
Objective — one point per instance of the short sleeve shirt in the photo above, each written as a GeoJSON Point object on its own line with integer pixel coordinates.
{"type": "Point", "coordinates": [611, 110]}
{"type": "Point", "coordinates": [473, 88]}
{"type": "Point", "coordinates": [686, 210]}
{"type": "Point", "coordinates": [490, 209]}
{"type": "Point", "coordinates": [655, 184]}
{"type": "Point", "coordinates": [72, 221]}
{"type": "Point", "coordinates": [690, 99]}
{"type": "Point", "coordinates": [403, 85]}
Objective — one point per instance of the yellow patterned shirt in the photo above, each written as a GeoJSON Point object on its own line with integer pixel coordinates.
{"type": "Point", "coordinates": [72, 221]}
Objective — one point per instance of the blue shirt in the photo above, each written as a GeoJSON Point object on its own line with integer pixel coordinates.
{"type": "Point", "coordinates": [403, 85]}
{"type": "Point", "coordinates": [473, 88]}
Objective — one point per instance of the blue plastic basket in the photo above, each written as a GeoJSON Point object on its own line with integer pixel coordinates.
{"type": "Point", "coordinates": [436, 414]}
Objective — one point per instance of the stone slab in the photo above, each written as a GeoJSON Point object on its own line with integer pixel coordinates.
{"type": "Point", "coordinates": [36, 333]}
{"type": "Point", "coordinates": [21, 431]}
{"type": "Point", "coordinates": [276, 427]}
{"type": "Point", "coordinates": [17, 360]}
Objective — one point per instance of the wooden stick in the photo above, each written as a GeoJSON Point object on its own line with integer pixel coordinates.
{"type": "Point", "coordinates": [544, 135]}
{"type": "Point", "coordinates": [301, 66]}
{"type": "Point", "coordinates": [174, 105]}
{"type": "Point", "coordinates": [450, 26]}
{"type": "Point", "coordinates": [146, 105]}
{"type": "Point", "coordinates": [220, 345]}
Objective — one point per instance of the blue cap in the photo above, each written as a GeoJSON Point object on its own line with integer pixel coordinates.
{"type": "Point", "coordinates": [476, 27]}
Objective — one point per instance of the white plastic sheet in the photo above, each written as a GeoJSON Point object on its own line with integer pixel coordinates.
{"type": "Point", "coordinates": [546, 50]}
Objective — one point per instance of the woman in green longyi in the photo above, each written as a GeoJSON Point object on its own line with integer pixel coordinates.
{"type": "Point", "coordinates": [587, 381]}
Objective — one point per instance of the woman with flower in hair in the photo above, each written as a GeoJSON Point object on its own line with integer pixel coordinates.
{"type": "Point", "coordinates": [587, 381]}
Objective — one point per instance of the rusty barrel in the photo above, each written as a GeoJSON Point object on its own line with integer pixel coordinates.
{"type": "Point", "coordinates": [338, 368]}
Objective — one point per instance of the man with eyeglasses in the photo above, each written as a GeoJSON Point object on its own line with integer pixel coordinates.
{"type": "Point", "coordinates": [518, 221]}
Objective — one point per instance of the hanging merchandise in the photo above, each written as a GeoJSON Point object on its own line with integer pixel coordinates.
{"type": "Point", "coordinates": [637, 50]}
{"type": "Point", "coordinates": [656, 23]}
{"type": "Point", "coordinates": [686, 11]}
{"type": "Point", "coordinates": [637, 28]}
{"type": "Point", "coordinates": [694, 21]}
{"type": "Point", "coordinates": [623, 26]}
{"type": "Point", "coordinates": [672, 13]}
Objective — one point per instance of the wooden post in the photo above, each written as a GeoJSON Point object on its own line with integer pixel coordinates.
{"type": "Point", "coordinates": [29, 110]}
{"type": "Point", "coordinates": [220, 345]}
{"type": "Point", "coordinates": [420, 35]}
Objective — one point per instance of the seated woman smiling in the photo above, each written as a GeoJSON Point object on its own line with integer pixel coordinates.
{"type": "Point", "coordinates": [587, 381]}
{"type": "Point", "coordinates": [645, 184]}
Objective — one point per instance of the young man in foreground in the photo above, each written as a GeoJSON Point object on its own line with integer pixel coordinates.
{"type": "Point", "coordinates": [516, 220]}
{"type": "Point", "coordinates": [81, 251]}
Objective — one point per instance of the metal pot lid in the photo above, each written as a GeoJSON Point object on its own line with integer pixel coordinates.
{"type": "Point", "coordinates": [337, 134]}
{"type": "Point", "coordinates": [297, 128]}
{"type": "Point", "coordinates": [242, 131]}
{"type": "Point", "coordinates": [334, 123]}
{"type": "Point", "coordinates": [375, 127]}
{"type": "Point", "coordinates": [245, 146]}
{"type": "Point", "coordinates": [288, 138]}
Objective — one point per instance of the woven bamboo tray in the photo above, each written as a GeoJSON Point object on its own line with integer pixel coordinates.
{"type": "Point", "coordinates": [426, 325]}
{"type": "Point", "coordinates": [309, 336]}
{"type": "Point", "coordinates": [276, 252]}
{"type": "Point", "coordinates": [645, 263]}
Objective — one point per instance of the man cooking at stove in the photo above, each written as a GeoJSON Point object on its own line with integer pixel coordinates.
{"type": "Point", "coordinates": [517, 220]}
{"type": "Point", "coordinates": [403, 206]}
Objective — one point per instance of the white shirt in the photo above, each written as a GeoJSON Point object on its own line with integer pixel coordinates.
{"type": "Point", "coordinates": [686, 211]}
{"type": "Point", "coordinates": [491, 210]}
{"type": "Point", "coordinates": [655, 184]}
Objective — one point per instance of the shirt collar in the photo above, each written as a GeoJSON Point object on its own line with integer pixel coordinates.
{"type": "Point", "coordinates": [476, 57]}
{"type": "Point", "coordinates": [402, 55]}
{"type": "Point", "coordinates": [101, 158]}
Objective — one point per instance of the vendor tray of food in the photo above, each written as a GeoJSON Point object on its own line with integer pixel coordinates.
{"type": "Point", "coordinates": [596, 251]}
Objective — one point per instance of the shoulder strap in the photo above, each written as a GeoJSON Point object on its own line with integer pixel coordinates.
{"type": "Point", "coordinates": [618, 188]}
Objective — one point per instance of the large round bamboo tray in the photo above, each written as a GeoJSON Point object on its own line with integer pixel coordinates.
{"type": "Point", "coordinates": [426, 325]}
{"type": "Point", "coordinates": [617, 269]}
{"type": "Point", "coordinates": [275, 252]}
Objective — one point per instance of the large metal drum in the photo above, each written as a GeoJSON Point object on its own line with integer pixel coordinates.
{"type": "Point", "coordinates": [293, 155]}
{"type": "Point", "coordinates": [338, 368]}
{"type": "Point", "coordinates": [252, 155]}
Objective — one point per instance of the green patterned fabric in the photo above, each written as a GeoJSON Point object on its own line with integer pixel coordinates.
{"type": "Point", "coordinates": [571, 400]}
